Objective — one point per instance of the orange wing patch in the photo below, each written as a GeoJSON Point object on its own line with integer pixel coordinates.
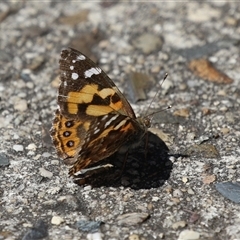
{"type": "Point", "coordinates": [86, 96]}
{"type": "Point", "coordinates": [68, 135]}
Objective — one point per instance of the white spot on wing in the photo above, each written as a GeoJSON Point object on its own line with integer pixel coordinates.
{"type": "Point", "coordinates": [81, 57]}
{"type": "Point", "coordinates": [87, 139]}
{"type": "Point", "coordinates": [71, 67]}
{"type": "Point", "coordinates": [74, 76]}
{"type": "Point", "coordinates": [92, 71]}
{"type": "Point", "coordinates": [120, 124]}
{"type": "Point", "coordinates": [110, 120]}
{"type": "Point", "coordinates": [96, 131]}
{"type": "Point", "coordinates": [73, 61]}
{"type": "Point", "coordinates": [104, 117]}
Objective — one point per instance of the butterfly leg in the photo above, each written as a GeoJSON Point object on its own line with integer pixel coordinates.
{"type": "Point", "coordinates": [146, 147]}
{"type": "Point", "coordinates": [122, 167]}
{"type": "Point", "coordinates": [124, 163]}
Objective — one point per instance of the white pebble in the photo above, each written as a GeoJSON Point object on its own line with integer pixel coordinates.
{"type": "Point", "coordinates": [94, 236]}
{"type": "Point", "coordinates": [21, 105]}
{"type": "Point", "coordinates": [188, 235]}
{"type": "Point", "coordinates": [18, 148]}
{"type": "Point", "coordinates": [46, 155]}
{"type": "Point", "coordinates": [45, 173]}
{"type": "Point", "coordinates": [56, 220]}
{"type": "Point", "coordinates": [31, 146]}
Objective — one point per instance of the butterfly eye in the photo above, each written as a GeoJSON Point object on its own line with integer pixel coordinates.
{"type": "Point", "coordinates": [147, 122]}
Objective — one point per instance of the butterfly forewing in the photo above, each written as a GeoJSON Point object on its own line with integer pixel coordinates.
{"type": "Point", "coordinates": [84, 87]}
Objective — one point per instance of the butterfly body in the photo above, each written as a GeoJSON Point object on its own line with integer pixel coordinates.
{"type": "Point", "coordinates": [94, 119]}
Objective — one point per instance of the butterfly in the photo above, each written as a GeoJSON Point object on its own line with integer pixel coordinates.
{"type": "Point", "coordinates": [94, 119]}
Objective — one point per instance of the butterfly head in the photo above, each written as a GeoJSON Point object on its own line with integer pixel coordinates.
{"type": "Point", "coordinates": [144, 121]}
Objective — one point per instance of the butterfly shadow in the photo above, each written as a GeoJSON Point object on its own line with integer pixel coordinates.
{"type": "Point", "coordinates": [145, 167]}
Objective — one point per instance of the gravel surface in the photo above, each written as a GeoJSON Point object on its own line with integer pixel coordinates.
{"type": "Point", "coordinates": [166, 195]}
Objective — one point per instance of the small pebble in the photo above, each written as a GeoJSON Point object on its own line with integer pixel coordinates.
{"type": "Point", "coordinates": [148, 43]}
{"type": "Point", "coordinates": [175, 200]}
{"type": "Point", "coordinates": [221, 93]}
{"type": "Point", "coordinates": [45, 173]}
{"type": "Point", "coordinates": [46, 155]}
{"type": "Point", "coordinates": [209, 179]}
{"type": "Point", "coordinates": [179, 224]}
{"type": "Point", "coordinates": [94, 236]}
{"type": "Point", "coordinates": [190, 191]}
{"type": "Point", "coordinates": [230, 190]}
{"type": "Point", "coordinates": [18, 147]}
{"type": "Point", "coordinates": [155, 199]}
{"type": "Point", "coordinates": [223, 109]}
{"type": "Point", "coordinates": [188, 235]}
{"type": "Point", "coordinates": [190, 136]}
{"type": "Point", "coordinates": [15, 136]}
{"type": "Point", "coordinates": [38, 231]}
{"type": "Point", "coordinates": [182, 86]}
{"type": "Point", "coordinates": [21, 105]}
{"type": "Point", "coordinates": [225, 131]}
{"type": "Point", "coordinates": [161, 236]}
{"type": "Point", "coordinates": [31, 146]}
{"type": "Point", "coordinates": [156, 69]}
{"type": "Point", "coordinates": [185, 179]}
{"type": "Point", "coordinates": [88, 226]}
{"type": "Point", "coordinates": [54, 162]}
{"type": "Point", "coordinates": [31, 153]}
{"type": "Point", "coordinates": [134, 237]}
{"type": "Point", "coordinates": [30, 85]}
{"type": "Point", "coordinates": [4, 161]}
{"type": "Point", "coordinates": [56, 220]}
{"type": "Point", "coordinates": [177, 193]}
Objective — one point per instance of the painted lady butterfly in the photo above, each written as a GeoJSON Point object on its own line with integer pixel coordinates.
{"type": "Point", "coordinates": [94, 119]}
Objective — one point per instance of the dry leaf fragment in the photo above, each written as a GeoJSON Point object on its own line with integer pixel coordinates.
{"type": "Point", "coordinates": [206, 111]}
{"type": "Point", "coordinates": [206, 70]}
{"type": "Point", "coordinates": [202, 150]}
{"type": "Point", "coordinates": [129, 219]}
{"type": "Point", "coordinates": [209, 179]}
{"type": "Point", "coordinates": [56, 82]}
{"type": "Point", "coordinates": [76, 18]}
{"type": "Point", "coordinates": [184, 112]}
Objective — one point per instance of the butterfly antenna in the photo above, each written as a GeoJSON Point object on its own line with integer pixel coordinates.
{"type": "Point", "coordinates": [165, 77]}
{"type": "Point", "coordinates": [152, 114]}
